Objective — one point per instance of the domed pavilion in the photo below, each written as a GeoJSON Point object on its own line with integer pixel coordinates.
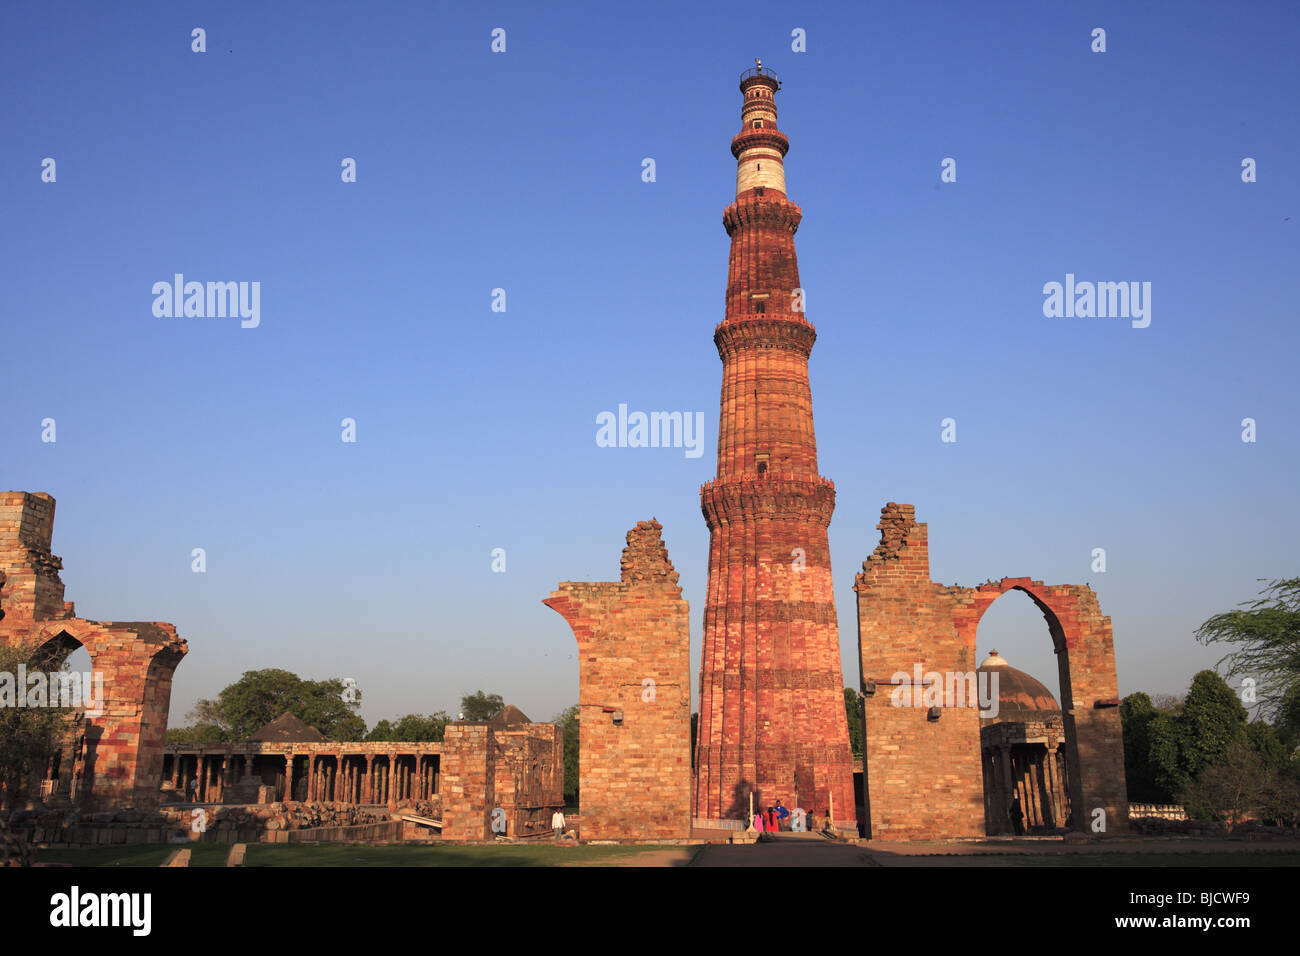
{"type": "Point", "coordinates": [1022, 747]}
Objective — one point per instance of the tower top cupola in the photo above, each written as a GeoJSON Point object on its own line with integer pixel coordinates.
{"type": "Point", "coordinates": [759, 147]}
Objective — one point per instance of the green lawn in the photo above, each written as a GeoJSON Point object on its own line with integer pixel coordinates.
{"type": "Point", "coordinates": [279, 854]}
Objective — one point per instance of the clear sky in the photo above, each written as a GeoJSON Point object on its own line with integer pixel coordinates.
{"type": "Point", "coordinates": [522, 171]}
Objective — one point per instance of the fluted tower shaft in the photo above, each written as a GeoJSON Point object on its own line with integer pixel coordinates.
{"type": "Point", "coordinates": [772, 717]}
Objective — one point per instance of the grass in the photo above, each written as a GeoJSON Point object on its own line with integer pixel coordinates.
{"type": "Point", "coordinates": [299, 854]}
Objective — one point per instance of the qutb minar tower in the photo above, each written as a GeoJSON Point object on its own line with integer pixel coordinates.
{"type": "Point", "coordinates": [772, 715]}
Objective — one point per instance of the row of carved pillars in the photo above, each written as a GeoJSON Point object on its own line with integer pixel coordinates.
{"type": "Point", "coordinates": [363, 779]}
{"type": "Point", "coordinates": [1036, 774]}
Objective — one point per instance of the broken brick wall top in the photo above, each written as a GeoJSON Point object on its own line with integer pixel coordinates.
{"type": "Point", "coordinates": [33, 588]}
{"type": "Point", "coordinates": [904, 543]}
{"type": "Point", "coordinates": [645, 559]}
{"type": "Point", "coordinates": [26, 518]}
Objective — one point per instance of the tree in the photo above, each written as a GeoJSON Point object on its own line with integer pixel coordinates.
{"type": "Point", "coordinates": [196, 734]}
{"type": "Point", "coordinates": [481, 706]}
{"type": "Point", "coordinates": [29, 736]}
{"type": "Point", "coordinates": [411, 727]}
{"type": "Point", "coordinates": [1228, 789]}
{"type": "Point", "coordinates": [1265, 741]}
{"type": "Point", "coordinates": [1137, 714]}
{"type": "Point", "coordinates": [1183, 744]}
{"type": "Point", "coordinates": [853, 711]}
{"type": "Point", "coordinates": [1280, 803]}
{"type": "Point", "coordinates": [567, 720]}
{"type": "Point", "coordinates": [259, 697]}
{"type": "Point", "coordinates": [1287, 720]}
{"type": "Point", "coordinates": [1171, 703]}
{"type": "Point", "coordinates": [1268, 630]}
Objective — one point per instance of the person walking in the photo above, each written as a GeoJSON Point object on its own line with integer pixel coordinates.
{"type": "Point", "coordinates": [1017, 817]}
{"type": "Point", "coordinates": [557, 823]}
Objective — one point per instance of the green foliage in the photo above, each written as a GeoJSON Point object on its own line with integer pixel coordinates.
{"type": "Point", "coordinates": [567, 720]}
{"type": "Point", "coordinates": [1228, 789]}
{"type": "Point", "coordinates": [259, 697]}
{"type": "Point", "coordinates": [853, 712]}
{"type": "Point", "coordinates": [1253, 778]}
{"type": "Point", "coordinates": [196, 734]}
{"type": "Point", "coordinates": [411, 727]}
{"type": "Point", "coordinates": [1265, 741]}
{"type": "Point", "coordinates": [1183, 744]}
{"type": "Point", "coordinates": [1287, 720]}
{"type": "Point", "coordinates": [1136, 714]}
{"type": "Point", "coordinates": [481, 706]}
{"type": "Point", "coordinates": [29, 736]}
{"type": "Point", "coordinates": [1268, 630]}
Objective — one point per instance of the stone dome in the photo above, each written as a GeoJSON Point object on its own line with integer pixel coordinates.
{"type": "Point", "coordinates": [1017, 691]}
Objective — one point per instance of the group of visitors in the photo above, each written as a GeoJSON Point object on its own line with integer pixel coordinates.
{"type": "Point", "coordinates": [778, 818]}
{"type": "Point", "coordinates": [773, 819]}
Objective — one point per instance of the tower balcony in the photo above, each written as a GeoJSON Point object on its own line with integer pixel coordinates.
{"type": "Point", "coordinates": [725, 501]}
{"type": "Point", "coordinates": [760, 71]}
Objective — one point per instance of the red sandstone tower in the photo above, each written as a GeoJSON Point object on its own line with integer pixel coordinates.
{"type": "Point", "coordinates": [771, 690]}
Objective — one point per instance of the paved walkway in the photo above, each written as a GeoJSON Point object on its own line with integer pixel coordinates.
{"type": "Point", "coordinates": [810, 850]}
{"type": "Point", "coordinates": [787, 849]}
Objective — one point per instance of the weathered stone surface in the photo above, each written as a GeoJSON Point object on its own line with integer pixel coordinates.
{"type": "Point", "coordinates": [115, 759]}
{"type": "Point", "coordinates": [490, 766]}
{"type": "Point", "coordinates": [924, 778]}
{"type": "Point", "coordinates": [634, 695]}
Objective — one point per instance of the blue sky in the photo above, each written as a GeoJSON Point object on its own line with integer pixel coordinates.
{"type": "Point", "coordinates": [522, 170]}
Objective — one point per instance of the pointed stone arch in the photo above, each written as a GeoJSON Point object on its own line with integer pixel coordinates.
{"type": "Point", "coordinates": [133, 661]}
{"type": "Point", "coordinates": [923, 777]}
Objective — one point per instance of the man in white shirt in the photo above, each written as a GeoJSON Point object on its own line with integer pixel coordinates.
{"type": "Point", "coordinates": [557, 823]}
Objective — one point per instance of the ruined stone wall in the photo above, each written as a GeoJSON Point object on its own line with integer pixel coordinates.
{"type": "Point", "coordinates": [517, 769]}
{"type": "Point", "coordinates": [468, 782]}
{"type": "Point", "coordinates": [924, 778]}
{"type": "Point", "coordinates": [633, 695]}
{"type": "Point", "coordinates": [267, 823]}
{"type": "Point", "coordinates": [122, 758]}
{"type": "Point", "coordinates": [33, 590]}
{"type": "Point", "coordinates": [529, 777]}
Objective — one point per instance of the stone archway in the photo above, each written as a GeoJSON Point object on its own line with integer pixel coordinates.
{"type": "Point", "coordinates": [922, 767]}
{"type": "Point", "coordinates": [132, 661]}
{"type": "Point", "coordinates": [1085, 656]}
